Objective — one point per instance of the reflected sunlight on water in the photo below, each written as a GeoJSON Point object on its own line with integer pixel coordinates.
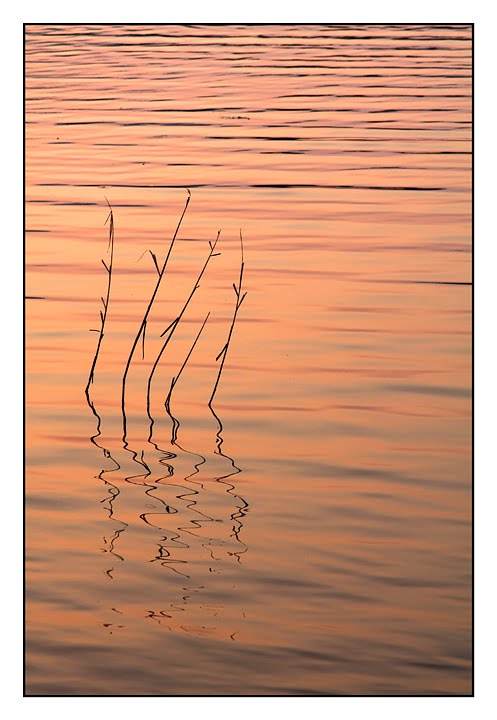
{"type": "Point", "coordinates": [324, 545]}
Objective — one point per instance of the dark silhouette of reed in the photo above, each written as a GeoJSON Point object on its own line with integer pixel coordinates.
{"type": "Point", "coordinates": [175, 379]}
{"type": "Point", "coordinates": [114, 492]}
{"type": "Point", "coordinates": [172, 326]}
{"type": "Point", "coordinates": [103, 315]}
{"type": "Point", "coordinates": [168, 332]}
{"type": "Point", "coordinates": [191, 496]}
{"type": "Point", "coordinates": [239, 299]}
{"type": "Point", "coordinates": [143, 326]}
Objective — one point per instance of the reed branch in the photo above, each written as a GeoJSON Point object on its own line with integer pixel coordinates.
{"type": "Point", "coordinates": [103, 315]}
{"type": "Point", "coordinates": [239, 300]}
{"type": "Point", "coordinates": [147, 312]}
{"type": "Point", "coordinates": [172, 326]}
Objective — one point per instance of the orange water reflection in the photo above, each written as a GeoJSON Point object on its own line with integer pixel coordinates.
{"type": "Point", "coordinates": [325, 545]}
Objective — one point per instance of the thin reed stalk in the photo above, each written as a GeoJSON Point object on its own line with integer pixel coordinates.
{"type": "Point", "coordinates": [103, 315]}
{"type": "Point", "coordinates": [239, 299]}
{"type": "Point", "coordinates": [172, 327]}
{"type": "Point", "coordinates": [167, 404]}
{"type": "Point", "coordinates": [143, 325]}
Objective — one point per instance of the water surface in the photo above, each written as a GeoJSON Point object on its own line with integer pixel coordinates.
{"type": "Point", "coordinates": [324, 547]}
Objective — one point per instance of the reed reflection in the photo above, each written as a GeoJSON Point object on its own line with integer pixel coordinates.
{"type": "Point", "coordinates": [191, 485]}
{"type": "Point", "coordinates": [206, 532]}
{"type": "Point", "coordinates": [210, 511]}
{"type": "Point", "coordinates": [170, 505]}
{"type": "Point", "coordinates": [186, 517]}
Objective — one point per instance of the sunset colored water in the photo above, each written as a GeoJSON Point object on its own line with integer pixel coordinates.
{"type": "Point", "coordinates": [311, 533]}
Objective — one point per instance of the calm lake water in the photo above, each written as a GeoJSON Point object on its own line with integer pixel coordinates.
{"type": "Point", "coordinates": [317, 539]}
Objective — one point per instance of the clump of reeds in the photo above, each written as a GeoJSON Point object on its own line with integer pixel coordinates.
{"type": "Point", "coordinates": [170, 329]}
{"type": "Point", "coordinates": [239, 299]}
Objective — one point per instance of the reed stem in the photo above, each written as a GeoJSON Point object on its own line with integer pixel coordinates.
{"type": "Point", "coordinates": [172, 327]}
{"type": "Point", "coordinates": [175, 379]}
{"type": "Point", "coordinates": [145, 317]}
{"type": "Point", "coordinates": [239, 299]}
{"type": "Point", "coordinates": [103, 315]}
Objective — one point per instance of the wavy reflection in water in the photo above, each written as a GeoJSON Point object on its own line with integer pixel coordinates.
{"type": "Point", "coordinates": [171, 508]}
{"type": "Point", "coordinates": [143, 327]}
{"type": "Point", "coordinates": [209, 511]}
{"type": "Point", "coordinates": [368, 547]}
{"type": "Point", "coordinates": [176, 510]}
{"type": "Point", "coordinates": [113, 492]}
{"type": "Point", "coordinates": [187, 518]}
